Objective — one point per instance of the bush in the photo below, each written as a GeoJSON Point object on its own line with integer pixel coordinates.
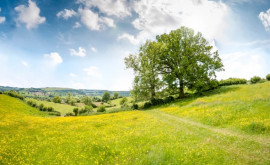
{"type": "Point", "coordinates": [156, 101]}
{"type": "Point", "coordinates": [50, 109]}
{"type": "Point", "coordinates": [147, 105]}
{"type": "Point", "coordinates": [168, 99]}
{"type": "Point", "coordinates": [76, 110]}
{"type": "Point", "coordinates": [40, 107]}
{"type": "Point", "coordinates": [135, 106]}
{"type": "Point", "coordinates": [255, 79]}
{"type": "Point", "coordinates": [232, 81]}
{"type": "Point", "coordinates": [101, 108]}
{"type": "Point", "coordinates": [14, 94]}
{"type": "Point", "coordinates": [94, 105]}
{"type": "Point", "coordinates": [268, 77]}
{"type": "Point", "coordinates": [69, 114]}
{"type": "Point", "coordinates": [1, 92]}
{"type": "Point", "coordinates": [123, 102]}
{"type": "Point", "coordinates": [55, 113]}
{"type": "Point", "coordinates": [83, 110]}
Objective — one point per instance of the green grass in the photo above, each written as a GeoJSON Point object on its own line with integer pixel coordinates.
{"type": "Point", "coordinates": [191, 131]}
{"type": "Point", "coordinates": [62, 108]}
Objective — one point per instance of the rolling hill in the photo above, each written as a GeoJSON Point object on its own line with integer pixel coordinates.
{"type": "Point", "coordinates": [229, 125]}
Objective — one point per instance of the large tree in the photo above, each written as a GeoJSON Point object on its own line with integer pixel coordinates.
{"type": "Point", "coordinates": [145, 66]}
{"type": "Point", "coordinates": [187, 60]}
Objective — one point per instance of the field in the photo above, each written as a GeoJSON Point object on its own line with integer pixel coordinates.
{"type": "Point", "coordinates": [227, 126]}
{"type": "Point", "coordinates": [62, 108]}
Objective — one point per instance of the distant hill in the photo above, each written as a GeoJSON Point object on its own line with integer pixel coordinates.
{"type": "Point", "coordinates": [52, 91]}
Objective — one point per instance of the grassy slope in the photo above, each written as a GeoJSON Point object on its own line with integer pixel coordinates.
{"type": "Point", "coordinates": [167, 135]}
{"type": "Point", "coordinates": [62, 108]}
{"type": "Point", "coordinates": [242, 107]}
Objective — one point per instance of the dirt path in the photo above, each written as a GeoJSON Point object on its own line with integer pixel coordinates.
{"type": "Point", "coordinates": [174, 120]}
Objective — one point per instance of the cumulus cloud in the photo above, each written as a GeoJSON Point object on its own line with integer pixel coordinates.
{"type": "Point", "coordinates": [66, 14]}
{"type": "Point", "coordinates": [77, 25]}
{"type": "Point", "coordinates": [265, 18]}
{"type": "Point", "coordinates": [2, 19]}
{"type": "Point", "coordinates": [29, 15]}
{"type": "Point", "coordinates": [129, 37]}
{"type": "Point", "coordinates": [92, 20]}
{"type": "Point", "coordinates": [81, 52]}
{"type": "Point", "coordinates": [93, 49]}
{"type": "Point", "coordinates": [157, 17]}
{"type": "Point", "coordinates": [118, 8]}
{"type": "Point", "coordinates": [93, 71]}
{"type": "Point", "coordinates": [54, 58]}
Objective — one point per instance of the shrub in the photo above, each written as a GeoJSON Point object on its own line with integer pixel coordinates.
{"type": "Point", "coordinates": [123, 102]}
{"type": "Point", "coordinates": [40, 107]}
{"type": "Point", "coordinates": [55, 113]}
{"type": "Point", "coordinates": [101, 108]}
{"type": "Point", "coordinates": [83, 110]}
{"type": "Point", "coordinates": [76, 110]}
{"type": "Point", "coordinates": [232, 81]}
{"type": "Point", "coordinates": [1, 92]}
{"type": "Point", "coordinates": [268, 77]}
{"type": "Point", "coordinates": [156, 101]}
{"type": "Point", "coordinates": [14, 94]}
{"type": "Point", "coordinates": [94, 105]}
{"type": "Point", "coordinates": [147, 105]}
{"type": "Point", "coordinates": [69, 114]}
{"type": "Point", "coordinates": [255, 79]}
{"type": "Point", "coordinates": [135, 106]}
{"type": "Point", "coordinates": [168, 99]}
{"type": "Point", "coordinates": [57, 99]}
{"type": "Point", "coordinates": [50, 109]}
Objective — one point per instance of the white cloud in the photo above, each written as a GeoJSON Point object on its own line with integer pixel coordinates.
{"type": "Point", "coordinates": [77, 25]}
{"type": "Point", "coordinates": [242, 65]}
{"type": "Point", "coordinates": [81, 52]}
{"type": "Point", "coordinates": [54, 58]}
{"type": "Point", "coordinates": [129, 37]}
{"type": "Point", "coordinates": [92, 20]}
{"type": "Point", "coordinates": [93, 71]}
{"type": "Point", "coordinates": [25, 63]}
{"type": "Point", "coordinates": [66, 13]}
{"type": "Point", "coordinates": [265, 18]}
{"type": "Point", "coordinates": [118, 8]}
{"type": "Point", "coordinates": [2, 19]}
{"type": "Point", "coordinates": [158, 16]}
{"type": "Point", "coordinates": [89, 19]}
{"type": "Point", "coordinates": [93, 49]}
{"type": "Point", "coordinates": [72, 75]}
{"type": "Point", "coordinates": [29, 15]}
{"type": "Point", "coordinates": [107, 21]}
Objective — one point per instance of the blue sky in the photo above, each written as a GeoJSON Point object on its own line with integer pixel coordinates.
{"type": "Point", "coordinates": [82, 43]}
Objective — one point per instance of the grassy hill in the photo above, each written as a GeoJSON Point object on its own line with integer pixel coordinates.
{"type": "Point", "coordinates": [227, 126]}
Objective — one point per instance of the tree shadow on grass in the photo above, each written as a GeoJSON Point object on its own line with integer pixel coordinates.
{"type": "Point", "coordinates": [191, 97]}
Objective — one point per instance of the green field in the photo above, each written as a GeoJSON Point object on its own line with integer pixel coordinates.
{"type": "Point", "coordinates": [227, 126]}
{"type": "Point", "coordinates": [62, 108]}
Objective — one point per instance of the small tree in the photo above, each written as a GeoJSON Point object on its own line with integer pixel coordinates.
{"type": "Point", "coordinates": [57, 99]}
{"type": "Point", "coordinates": [101, 108]}
{"type": "Point", "coordinates": [255, 79]}
{"type": "Point", "coordinates": [76, 110]}
{"type": "Point", "coordinates": [268, 77]}
{"type": "Point", "coordinates": [106, 97]}
{"type": "Point", "coordinates": [87, 100]}
{"type": "Point", "coordinates": [88, 108]}
{"type": "Point", "coordinates": [123, 102]}
{"type": "Point", "coordinates": [115, 95]}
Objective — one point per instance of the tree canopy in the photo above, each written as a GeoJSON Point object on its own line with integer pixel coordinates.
{"type": "Point", "coordinates": [176, 61]}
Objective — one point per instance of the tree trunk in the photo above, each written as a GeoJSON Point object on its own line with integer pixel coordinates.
{"type": "Point", "coordinates": [181, 89]}
{"type": "Point", "coordinates": [153, 92]}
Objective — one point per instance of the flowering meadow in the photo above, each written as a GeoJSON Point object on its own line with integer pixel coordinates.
{"type": "Point", "coordinates": [231, 127]}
